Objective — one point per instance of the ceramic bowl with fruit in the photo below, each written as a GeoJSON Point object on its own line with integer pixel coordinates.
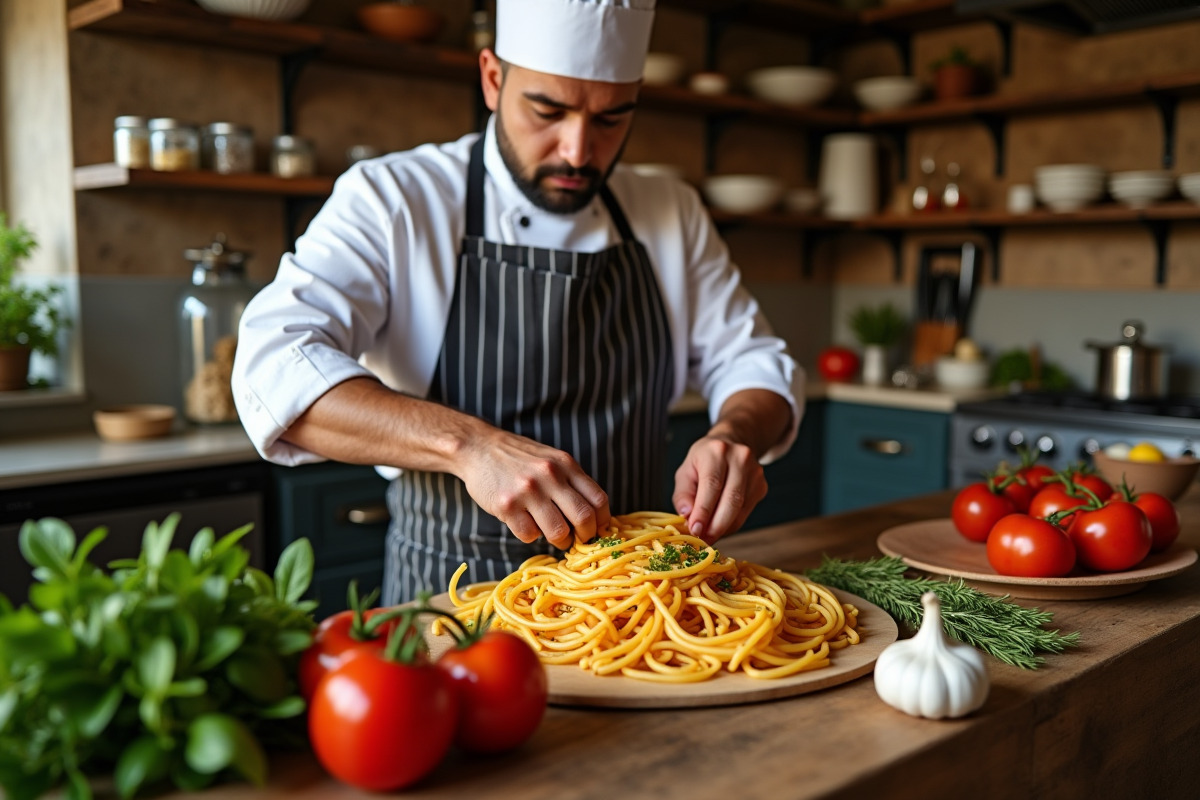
{"type": "Point", "coordinates": [1146, 468]}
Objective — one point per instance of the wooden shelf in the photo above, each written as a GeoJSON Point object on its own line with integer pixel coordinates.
{"type": "Point", "coordinates": [793, 16]}
{"type": "Point", "coordinates": [112, 176]}
{"type": "Point", "coordinates": [919, 15]}
{"type": "Point", "coordinates": [677, 98]}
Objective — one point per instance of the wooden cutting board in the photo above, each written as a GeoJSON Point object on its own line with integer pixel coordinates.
{"type": "Point", "coordinates": [572, 686]}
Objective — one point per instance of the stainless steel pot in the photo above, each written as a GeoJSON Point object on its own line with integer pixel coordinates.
{"type": "Point", "coordinates": [1130, 369]}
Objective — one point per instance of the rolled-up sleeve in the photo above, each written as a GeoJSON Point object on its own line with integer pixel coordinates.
{"type": "Point", "coordinates": [304, 332]}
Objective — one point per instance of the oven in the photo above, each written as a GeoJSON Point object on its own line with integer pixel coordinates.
{"type": "Point", "coordinates": [1064, 428]}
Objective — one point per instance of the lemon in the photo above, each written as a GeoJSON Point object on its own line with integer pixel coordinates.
{"type": "Point", "coordinates": [1144, 451]}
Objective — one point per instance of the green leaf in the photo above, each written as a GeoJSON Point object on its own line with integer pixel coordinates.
{"type": "Point", "coordinates": [187, 636]}
{"type": "Point", "coordinates": [156, 666]}
{"type": "Point", "coordinates": [90, 710]}
{"type": "Point", "coordinates": [288, 642]}
{"type": "Point", "coordinates": [294, 572]}
{"type": "Point", "coordinates": [49, 596]}
{"type": "Point", "coordinates": [88, 544]}
{"type": "Point", "coordinates": [216, 589]}
{"type": "Point", "coordinates": [259, 582]}
{"type": "Point", "coordinates": [150, 709]}
{"type": "Point", "coordinates": [78, 787]}
{"type": "Point", "coordinates": [188, 779]}
{"type": "Point", "coordinates": [143, 761]}
{"type": "Point", "coordinates": [8, 704]}
{"type": "Point", "coordinates": [156, 541]}
{"type": "Point", "coordinates": [291, 706]}
{"type": "Point", "coordinates": [219, 741]}
{"type": "Point", "coordinates": [177, 573]}
{"type": "Point", "coordinates": [201, 547]}
{"type": "Point", "coordinates": [259, 674]}
{"type": "Point", "coordinates": [26, 638]}
{"type": "Point", "coordinates": [48, 543]}
{"type": "Point", "coordinates": [189, 687]}
{"type": "Point", "coordinates": [227, 542]}
{"type": "Point", "coordinates": [220, 644]}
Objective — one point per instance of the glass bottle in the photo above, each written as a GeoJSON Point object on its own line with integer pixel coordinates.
{"type": "Point", "coordinates": [924, 196]}
{"type": "Point", "coordinates": [209, 312]}
{"type": "Point", "coordinates": [174, 145]}
{"type": "Point", "coordinates": [228, 148]}
{"type": "Point", "coordinates": [131, 142]}
{"type": "Point", "coordinates": [483, 33]}
{"type": "Point", "coordinates": [292, 157]}
{"type": "Point", "coordinates": [953, 196]}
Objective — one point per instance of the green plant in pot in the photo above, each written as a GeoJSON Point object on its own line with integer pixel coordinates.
{"type": "Point", "coordinates": [956, 75]}
{"type": "Point", "coordinates": [878, 329]}
{"type": "Point", "coordinates": [30, 319]}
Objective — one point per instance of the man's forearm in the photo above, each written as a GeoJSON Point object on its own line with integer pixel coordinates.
{"type": "Point", "coordinates": [757, 418]}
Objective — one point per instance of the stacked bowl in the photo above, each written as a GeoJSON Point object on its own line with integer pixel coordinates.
{"type": "Point", "coordinates": [1189, 186]}
{"type": "Point", "coordinates": [743, 194]}
{"type": "Point", "coordinates": [1140, 188]}
{"type": "Point", "coordinates": [1068, 187]}
{"type": "Point", "coordinates": [887, 92]}
{"type": "Point", "coordinates": [792, 86]}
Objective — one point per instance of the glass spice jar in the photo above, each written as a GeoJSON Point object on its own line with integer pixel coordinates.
{"type": "Point", "coordinates": [227, 148]}
{"type": "Point", "coordinates": [292, 157]}
{"type": "Point", "coordinates": [482, 32]}
{"type": "Point", "coordinates": [131, 142]}
{"type": "Point", "coordinates": [174, 145]}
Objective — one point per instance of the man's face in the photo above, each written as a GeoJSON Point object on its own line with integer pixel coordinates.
{"type": "Point", "coordinates": [560, 137]}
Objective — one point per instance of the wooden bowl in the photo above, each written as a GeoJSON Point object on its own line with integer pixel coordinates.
{"type": "Point", "coordinates": [400, 22]}
{"type": "Point", "coordinates": [128, 423]}
{"type": "Point", "coordinates": [1170, 478]}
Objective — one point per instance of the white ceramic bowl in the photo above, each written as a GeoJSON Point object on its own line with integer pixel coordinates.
{"type": "Point", "coordinates": [1068, 199]}
{"type": "Point", "coordinates": [1140, 188]}
{"type": "Point", "coordinates": [793, 86]}
{"type": "Point", "coordinates": [654, 170]}
{"type": "Point", "coordinates": [802, 200]}
{"type": "Point", "coordinates": [954, 373]}
{"type": "Point", "coordinates": [1065, 171]}
{"type": "Point", "coordinates": [1189, 186]}
{"type": "Point", "coordinates": [743, 194]}
{"type": "Point", "coordinates": [663, 69]}
{"type": "Point", "coordinates": [708, 83]}
{"type": "Point", "coordinates": [259, 9]}
{"type": "Point", "coordinates": [887, 92]}
{"type": "Point", "coordinates": [1068, 187]}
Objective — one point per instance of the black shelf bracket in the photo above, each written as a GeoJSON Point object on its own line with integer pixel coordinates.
{"type": "Point", "coordinates": [899, 140]}
{"type": "Point", "coordinates": [992, 235]}
{"type": "Point", "coordinates": [1160, 230]}
{"type": "Point", "coordinates": [895, 240]}
{"type": "Point", "coordinates": [1166, 105]}
{"type": "Point", "coordinates": [1004, 28]}
{"type": "Point", "coordinates": [997, 127]}
{"type": "Point", "coordinates": [714, 128]}
{"type": "Point", "coordinates": [290, 68]}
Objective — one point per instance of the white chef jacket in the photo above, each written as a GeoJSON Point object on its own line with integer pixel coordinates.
{"type": "Point", "coordinates": [368, 290]}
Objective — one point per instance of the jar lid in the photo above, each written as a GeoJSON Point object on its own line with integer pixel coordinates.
{"type": "Point", "coordinates": [1131, 338]}
{"type": "Point", "coordinates": [288, 142]}
{"type": "Point", "coordinates": [226, 128]}
{"type": "Point", "coordinates": [217, 255]}
{"type": "Point", "coordinates": [129, 121]}
{"type": "Point", "coordinates": [168, 123]}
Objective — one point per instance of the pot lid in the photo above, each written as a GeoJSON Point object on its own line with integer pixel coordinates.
{"type": "Point", "coordinates": [217, 256]}
{"type": "Point", "coordinates": [1131, 337]}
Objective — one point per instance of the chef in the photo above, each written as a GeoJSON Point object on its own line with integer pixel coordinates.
{"type": "Point", "coordinates": [500, 323]}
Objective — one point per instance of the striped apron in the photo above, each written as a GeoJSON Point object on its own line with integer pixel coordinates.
{"type": "Point", "coordinates": [570, 349]}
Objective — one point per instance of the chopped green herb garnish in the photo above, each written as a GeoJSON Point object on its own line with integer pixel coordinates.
{"type": "Point", "coordinates": [607, 541]}
{"type": "Point", "coordinates": [673, 557]}
{"type": "Point", "coordinates": [724, 585]}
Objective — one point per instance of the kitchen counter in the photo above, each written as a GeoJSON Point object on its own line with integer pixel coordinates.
{"type": "Point", "coordinates": [1115, 717]}
{"type": "Point", "coordinates": [931, 399]}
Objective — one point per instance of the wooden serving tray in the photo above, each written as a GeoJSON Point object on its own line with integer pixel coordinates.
{"type": "Point", "coordinates": [933, 545]}
{"type": "Point", "coordinates": [572, 686]}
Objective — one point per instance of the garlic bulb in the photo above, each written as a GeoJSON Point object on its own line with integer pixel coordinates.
{"type": "Point", "coordinates": [929, 676]}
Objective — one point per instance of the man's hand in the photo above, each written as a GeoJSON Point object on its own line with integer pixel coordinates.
{"type": "Point", "coordinates": [533, 489]}
{"type": "Point", "coordinates": [721, 481]}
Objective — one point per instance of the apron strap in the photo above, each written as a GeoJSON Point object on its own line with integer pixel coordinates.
{"type": "Point", "coordinates": [475, 172]}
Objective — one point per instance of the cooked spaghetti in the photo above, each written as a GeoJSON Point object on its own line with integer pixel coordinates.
{"type": "Point", "coordinates": [649, 601]}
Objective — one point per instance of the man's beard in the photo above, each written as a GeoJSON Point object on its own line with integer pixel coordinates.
{"type": "Point", "coordinates": [556, 201]}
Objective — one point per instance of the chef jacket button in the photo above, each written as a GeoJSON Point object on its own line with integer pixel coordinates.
{"type": "Point", "coordinates": [524, 222]}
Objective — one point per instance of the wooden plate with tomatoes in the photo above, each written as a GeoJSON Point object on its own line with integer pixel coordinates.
{"type": "Point", "coordinates": [934, 546]}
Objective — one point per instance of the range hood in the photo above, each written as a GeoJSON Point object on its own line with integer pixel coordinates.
{"type": "Point", "coordinates": [1085, 16]}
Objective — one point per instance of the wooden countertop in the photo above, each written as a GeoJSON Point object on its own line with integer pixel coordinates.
{"type": "Point", "coordinates": [1118, 716]}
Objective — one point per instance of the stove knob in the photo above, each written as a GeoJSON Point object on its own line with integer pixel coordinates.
{"type": "Point", "coordinates": [1016, 439]}
{"type": "Point", "coordinates": [983, 438]}
{"type": "Point", "coordinates": [1088, 448]}
{"type": "Point", "coordinates": [1044, 444]}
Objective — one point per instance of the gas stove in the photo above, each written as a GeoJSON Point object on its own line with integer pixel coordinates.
{"type": "Point", "coordinates": [1064, 428]}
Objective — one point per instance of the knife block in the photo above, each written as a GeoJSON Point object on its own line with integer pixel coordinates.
{"type": "Point", "coordinates": [933, 339]}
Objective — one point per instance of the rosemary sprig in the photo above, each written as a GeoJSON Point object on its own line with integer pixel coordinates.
{"type": "Point", "coordinates": [1012, 633]}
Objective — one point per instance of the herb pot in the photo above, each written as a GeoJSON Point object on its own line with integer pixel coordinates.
{"type": "Point", "coordinates": [14, 368]}
{"type": "Point", "coordinates": [1130, 369]}
{"type": "Point", "coordinates": [952, 81]}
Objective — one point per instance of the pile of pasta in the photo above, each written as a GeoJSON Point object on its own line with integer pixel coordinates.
{"type": "Point", "coordinates": [650, 601]}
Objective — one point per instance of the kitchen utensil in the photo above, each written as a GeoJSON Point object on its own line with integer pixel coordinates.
{"type": "Point", "coordinates": [129, 423]}
{"type": "Point", "coordinates": [933, 545]}
{"type": "Point", "coordinates": [743, 194]}
{"type": "Point", "coordinates": [571, 686]}
{"type": "Point", "coordinates": [943, 302]}
{"type": "Point", "coordinates": [1130, 368]}
{"type": "Point", "coordinates": [1170, 478]}
{"type": "Point", "coordinates": [792, 85]}
{"type": "Point", "coordinates": [887, 92]}
{"type": "Point", "coordinates": [848, 180]}
{"type": "Point", "coordinates": [401, 22]}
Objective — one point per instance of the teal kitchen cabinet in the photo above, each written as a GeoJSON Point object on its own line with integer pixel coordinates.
{"type": "Point", "coordinates": [793, 482]}
{"type": "Point", "coordinates": [876, 454]}
{"type": "Point", "coordinates": [342, 510]}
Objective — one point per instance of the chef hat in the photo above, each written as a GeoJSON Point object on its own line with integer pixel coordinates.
{"type": "Point", "coordinates": [594, 40]}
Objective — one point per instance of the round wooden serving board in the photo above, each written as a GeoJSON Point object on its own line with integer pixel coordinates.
{"type": "Point", "coordinates": [572, 686]}
{"type": "Point", "coordinates": [933, 545]}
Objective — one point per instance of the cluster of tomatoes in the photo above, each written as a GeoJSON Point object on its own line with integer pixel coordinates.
{"type": "Point", "coordinates": [382, 715]}
{"type": "Point", "coordinates": [1038, 523]}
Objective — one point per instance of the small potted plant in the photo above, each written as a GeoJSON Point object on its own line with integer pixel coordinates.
{"type": "Point", "coordinates": [956, 75]}
{"type": "Point", "coordinates": [30, 319]}
{"type": "Point", "coordinates": [877, 329]}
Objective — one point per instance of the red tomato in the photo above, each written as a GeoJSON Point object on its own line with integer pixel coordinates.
{"type": "Point", "coordinates": [333, 639]}
{"type": "Point", "coordinates": [1163, 519]}
{"type": "Point", "coordinates": [379, 724]}
{"type": "Point", "coordinates": [1015, 489]}
{"type": "Point", "coordinates": [1093, 483]}
{"type": "Point", "coordinates": [502, 690]}
{"type": "Point", "coordinates": [1053, 497]}
{"type": "Point", "coordinates": [1030, 548]}
{"type": "Point", "coordinates": [1035, 476]}
{"type": "Point", "coordinates": [1112, 538]}
{"type": "Point", "coordinates": [837, 364]}
{"type": "Point", "coordinates": [977, 508]}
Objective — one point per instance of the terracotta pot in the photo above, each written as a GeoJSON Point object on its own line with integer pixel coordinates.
{"type": "Point", "coordinates": [956, 80]}
{"type": "Point", "coordinates": [14, 368]}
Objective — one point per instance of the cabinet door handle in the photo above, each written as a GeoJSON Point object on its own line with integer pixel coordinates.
{"type": "Point", "coordinates": [885, 447]}
{"type": "Point", "coordinates": [366, 515]}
